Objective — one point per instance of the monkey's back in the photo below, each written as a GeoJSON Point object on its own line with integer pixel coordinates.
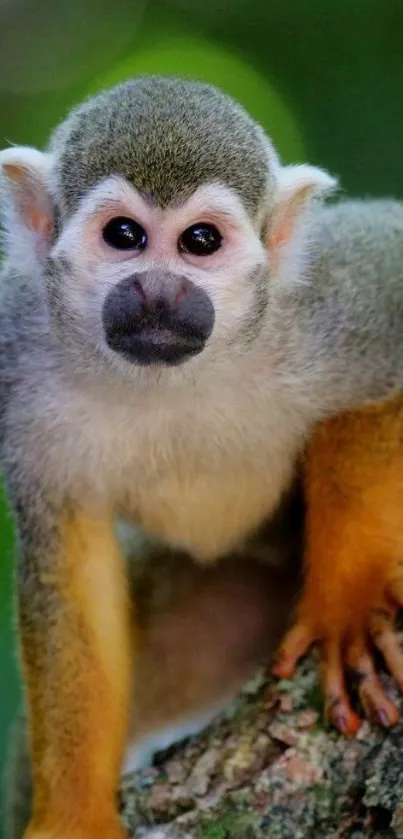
{"type": "Point", "coordinates": [345, 321]}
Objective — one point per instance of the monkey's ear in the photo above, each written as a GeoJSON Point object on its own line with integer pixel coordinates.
{"type": "Point", "coordinates": [26, 205]}
{"type": "Point", "coordinates": [297, 186]}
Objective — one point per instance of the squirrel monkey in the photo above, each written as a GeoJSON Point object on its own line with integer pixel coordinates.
{"type": "Point", "coordinates": [354, 559]}
{"type": "Point", "coordinates": [192, 655]}
{"type": "Point", "coordinates": [177, 312]}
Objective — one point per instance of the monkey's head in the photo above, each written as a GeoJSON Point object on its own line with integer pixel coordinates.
{"type": "Point", "coordinates": [158, 219]}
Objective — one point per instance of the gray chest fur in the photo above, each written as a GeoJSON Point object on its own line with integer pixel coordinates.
{"type": "Point", "coordinates": [197, 468]}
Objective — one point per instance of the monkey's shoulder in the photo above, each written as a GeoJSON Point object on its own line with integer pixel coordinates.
{"type": "Point", "coordinates": [364, 234]}
{"type": "Point", "coordinates": [355, 269]}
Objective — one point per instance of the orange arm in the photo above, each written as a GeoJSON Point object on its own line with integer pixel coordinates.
{"type": "Point", "coordinates": [353, 559]}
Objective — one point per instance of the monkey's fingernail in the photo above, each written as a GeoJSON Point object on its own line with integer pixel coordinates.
{"type": "Point", "coordinates": [341, 723]}
{"type": "Point", "coordinates": [383, 717]}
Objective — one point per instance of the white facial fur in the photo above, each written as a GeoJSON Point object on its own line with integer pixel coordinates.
{"type": "Point", "coordinates": [97, 267]}
{"type": "Point", "coordinates": [94, 268]}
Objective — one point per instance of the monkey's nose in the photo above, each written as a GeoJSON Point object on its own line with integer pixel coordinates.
{"type": "Point", "coordinates": [152, 318]}
{"type": "Point", "coordinates": [156, 300]}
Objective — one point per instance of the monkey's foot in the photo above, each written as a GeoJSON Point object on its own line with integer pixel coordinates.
{"type": "Point", "coordinates": [349, 648]}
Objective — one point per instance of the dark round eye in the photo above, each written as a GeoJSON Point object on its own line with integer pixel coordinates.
{"type": "Point", "coordinates": [200, 240]}
{"type": "Point", "coordinates": [124, 234]}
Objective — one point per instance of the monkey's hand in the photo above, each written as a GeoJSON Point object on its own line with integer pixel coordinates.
{"type": "Point", "coordinates": [348, 635]}
{"type": "Point", "coordinates": [76, 649]}
{"type": "Point", "coordinates": [353, 561]}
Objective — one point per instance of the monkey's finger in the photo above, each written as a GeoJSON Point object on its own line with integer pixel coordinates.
{"type": "Point", "coordinates": [337, 703]}
{"type": "Point", "coordinates": [296, 643]}
{"type": "Point", "coordinates": [374, 700]}
{"type": "Point", "coordinates": [385, 639]}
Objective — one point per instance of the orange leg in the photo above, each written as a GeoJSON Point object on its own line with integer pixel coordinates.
{"type": "Point", "coordinates": [77, 656]}
{"type": "Point", "coordinates": [354, 561]}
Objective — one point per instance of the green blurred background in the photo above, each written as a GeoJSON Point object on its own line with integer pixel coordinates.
{"type": "Point", "coordinates": [325, 79]}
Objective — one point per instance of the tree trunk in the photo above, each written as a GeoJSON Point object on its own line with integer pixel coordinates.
{"type": "Point", "coordinates": [271, 767]}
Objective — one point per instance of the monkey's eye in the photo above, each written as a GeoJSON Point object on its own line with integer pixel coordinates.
{"type": "Point", "coordinates": [124, 234]}
{"type": "Point", "coordinates": [200, 240]}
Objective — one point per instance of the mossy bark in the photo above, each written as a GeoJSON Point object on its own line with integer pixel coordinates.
{"type": "Point", "coordinates": [271, 766]}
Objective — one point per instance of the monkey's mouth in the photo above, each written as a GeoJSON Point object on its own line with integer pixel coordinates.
{"type": "Point", "coordinates": [155, 345]}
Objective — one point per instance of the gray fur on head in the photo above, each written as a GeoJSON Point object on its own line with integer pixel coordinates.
{"type": "Point", "coordinates": [166, 136]}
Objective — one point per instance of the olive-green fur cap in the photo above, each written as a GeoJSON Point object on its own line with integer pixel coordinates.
{"type": "Point", "coordinates": [166, 136]}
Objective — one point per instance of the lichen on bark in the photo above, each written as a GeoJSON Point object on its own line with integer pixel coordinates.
{"type": "Point", "coordinates": [271, 766]}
